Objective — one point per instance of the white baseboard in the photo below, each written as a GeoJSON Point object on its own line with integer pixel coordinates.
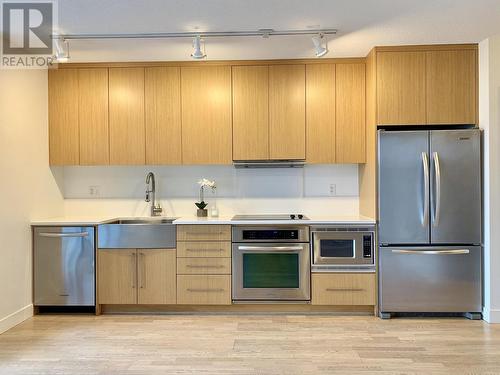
{"type": "Point", "coordinates": [491, 315]}
{"type": "Point", "coordinates": [15, 318]}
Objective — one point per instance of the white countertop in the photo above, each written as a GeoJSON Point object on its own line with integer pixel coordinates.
{"type": "Point", "coordinates": [314, 220]}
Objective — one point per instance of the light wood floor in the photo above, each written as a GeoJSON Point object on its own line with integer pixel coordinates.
{"type": "Point", "coordinates": [248, 344]}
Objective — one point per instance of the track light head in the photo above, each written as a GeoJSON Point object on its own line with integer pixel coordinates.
{"type": "Point", "coordinates": [197, 53]}
{"type": "Point", "coordinates": [62, 50]}
{"type": "Point", "coordinates": [318, 41]}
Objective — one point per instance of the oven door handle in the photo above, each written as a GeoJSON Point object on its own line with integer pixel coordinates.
{"type": "Point", "coordinates": [271, 248]}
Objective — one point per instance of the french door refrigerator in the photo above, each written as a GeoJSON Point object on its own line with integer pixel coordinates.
{"type": "Point", "coordinates": [429, 197]}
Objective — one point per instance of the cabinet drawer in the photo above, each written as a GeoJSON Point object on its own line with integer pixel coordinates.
{"type": "Point", "coordinates": [203, 249]}
{"type": "Point", "coordinates": [203, 290]}
{"type": "Point", "coordinates": [204, 232]}
{"type": "Point", "coordinates": [204, 266]}
{"type": "Point", "coordinates": [343, 289]}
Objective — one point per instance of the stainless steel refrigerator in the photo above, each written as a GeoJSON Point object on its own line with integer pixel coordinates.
{"type": "Point", "coordinates": [429, 197]}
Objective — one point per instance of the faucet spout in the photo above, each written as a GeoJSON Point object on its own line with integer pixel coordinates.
{"type": "Point", "coordinates": [156, 209]}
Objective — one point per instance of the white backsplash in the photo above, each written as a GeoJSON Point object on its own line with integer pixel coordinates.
{"type": "Point", "coordinates": [314, 190]}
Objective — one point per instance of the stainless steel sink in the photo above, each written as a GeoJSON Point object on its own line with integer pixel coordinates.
{"type": "Point", "coordinates": [137, 233]}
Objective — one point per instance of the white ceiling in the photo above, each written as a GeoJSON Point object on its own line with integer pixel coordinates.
{"type": "Point", "coordinates": [362, 24]}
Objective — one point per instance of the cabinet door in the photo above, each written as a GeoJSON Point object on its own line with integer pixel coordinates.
{"type": "Point", "coordinates": [250, 112]}
{"type": "Point", "coordinates": [117, 276]}
{"type": "Point", "coordinates": [127, 143]}
{"type": "Point", "coordinates": [320, 113]}
{"type": "Point", "coordinates": [401, 88]}
{"type": "Point", "coordinates": [163, 115]}
{"type": "Point", "coordinates": [93, 116]}
{"type": "Point", "coordinates": [206, 115]}
{"type": "Point", "coordinates": [287, 114]}
{"type": "Point", "coordinates": [156, 275]}
{"type": "Point", "coordinates": [350, 113]}
{"type": "Point", "coordinates": [451, 87]}
{"type": "Point", "coordinates": [63, 117]}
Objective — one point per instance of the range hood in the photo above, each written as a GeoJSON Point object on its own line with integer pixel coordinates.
{"type": "Point", "coordinates": [269, 163]}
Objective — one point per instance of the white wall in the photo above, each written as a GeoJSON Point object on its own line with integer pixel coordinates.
{"type": "Point", "coordinates": [489, 120]}
{"type": "Point", "coordinates": [27, 186]}
{"type": "Point", "coordinates": [121, 189]}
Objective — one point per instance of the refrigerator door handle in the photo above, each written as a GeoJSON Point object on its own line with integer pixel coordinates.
{"type": "Point", "coordinates": [437, 169]}
{"type": "Point", "coordinates": [432, 252]}
{"type": "Point", "coordinates": [425, 164]}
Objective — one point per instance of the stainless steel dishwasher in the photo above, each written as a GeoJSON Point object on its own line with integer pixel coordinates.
{"type": "Point", "coordinates": [64, 266]}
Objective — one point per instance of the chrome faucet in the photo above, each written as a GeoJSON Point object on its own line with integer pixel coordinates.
{"type": "Point", "coordinates": [156, 209]}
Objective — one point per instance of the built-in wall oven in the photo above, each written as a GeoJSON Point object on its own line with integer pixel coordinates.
{"type": "Point", "coordinates": [271, 263]}
{"type": "Point", "coordinates": [343, 248]}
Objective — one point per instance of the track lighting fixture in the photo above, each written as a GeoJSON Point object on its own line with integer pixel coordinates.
{"type": "Point", "coordinates": [62, 50]}
{"type": "Point", "coordinates": [318, 41]}
{"type": "Point", "coordinates": [197, 53]}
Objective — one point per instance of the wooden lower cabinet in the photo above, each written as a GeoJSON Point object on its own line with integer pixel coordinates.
{"type": "Point", "coordinates": [204, 289]}
{"type": "Point", "coordinates": [347, 289]}
{"type": "Point", "coordinates": [117, 276]}
{"type": "Point", "coordinates": [212, 249]}
{"type": "Point", "coordinates": [156, 275]}
{"type": "Point", "coordinates": [204, 266]}
{"type": "Point", "coordinates": [207, 232]}
{"type": "Point", "coordinates": [130, 276]}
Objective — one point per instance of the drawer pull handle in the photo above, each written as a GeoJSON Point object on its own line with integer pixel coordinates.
{"type": "Point", "coordinates": [203, 233]}
{"type": "Point", "coordinates": [344, 289]}
{"type": "Point", "coordinates": [206, 290]}
{"type": "Point", "coordinates": [207, 266]}
{"type": "Point", "coordinates": [198, 250]}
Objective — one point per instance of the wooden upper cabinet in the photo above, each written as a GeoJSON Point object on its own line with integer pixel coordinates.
{"type": "Point", "coordinates": [250, 112]}
{"type": "Point", "coordinates": [287, 115]}
{"type": "Point", "coordinates": [451, 87]}
{"type": "Point", "coordinates": [163, 115]}
{"type": "Point", "coordinates": [63, 117]}
{"type": "Point", "coordinates": [401, 88]}
{"type": "Point", "coordinates": [320, 113]}
{"type": "Point", "coordinates": [93, 116]}
{"type": "Point", "coordinates": [206, 115]}
{"type": "Point", "coordinates": [127, 144]}
{"type": "Point", "coordinates": [350, 113]}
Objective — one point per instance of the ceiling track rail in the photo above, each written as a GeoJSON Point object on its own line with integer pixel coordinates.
{"type": "Point", "coordinates": [264, 33]}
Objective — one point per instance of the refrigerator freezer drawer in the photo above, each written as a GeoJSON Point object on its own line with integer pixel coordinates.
{"type": "Point", "coordinates": [430, 279]}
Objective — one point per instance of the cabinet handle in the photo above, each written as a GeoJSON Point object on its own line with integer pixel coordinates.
{"type": "Point", "coordinates": [207, 266]}
{"type": "Point", "coordinates": [205, 290]}
{"type": "Point", "coordinates": [134, 264]}
{"type": "Point", "coordinates": [143, 273]}
{"type": "Point", "coordinates": [202, 233]}
{"type": "Point", "coordinates": [344, 289]}
{"type": "Point", "coordinates": [198, 250]}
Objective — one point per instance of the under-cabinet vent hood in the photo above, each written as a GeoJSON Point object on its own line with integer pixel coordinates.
{"type": "Point", "coordinates": [269, 163]}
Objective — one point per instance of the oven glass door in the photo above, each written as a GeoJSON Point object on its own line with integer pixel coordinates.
{"type": "Point", "coordinates": [271, 271]}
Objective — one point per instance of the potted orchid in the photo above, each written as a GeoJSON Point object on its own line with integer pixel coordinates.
{"type": "Point", "coordinates": [202, 211]}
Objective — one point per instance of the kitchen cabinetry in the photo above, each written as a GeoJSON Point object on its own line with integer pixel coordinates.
{"type": "Point", "coordinates": [206, 115]}
{"type": "Point", "coordinates": [131, 276]}
{"type": "Point", "coordinates": [93, 116]}
{"type": "Point", "coordinates": [401, 88]}
{"type": "Point", "coordinates": [320, 113]}
{"type": "Point", "coordinates": [63, 117]}
{"type": "Point", "coordinates": [204, 265]}
{"type": "Point", "coordinates": [287, 112]}
{"type": "Point", "coordinates": [126, 116]}
{"type": "Point", "coordinates": [250, 112]}
{"type": "Point", "coordinates": [451, 87]}
{"type": "Point", "coordinates": [427, 86]}
{"type": "Point", "coordinates": [163, 115]}
{"type": "Point", "coordinates": [344, 289]}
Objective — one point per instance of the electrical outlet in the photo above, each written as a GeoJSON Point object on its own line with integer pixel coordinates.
{"type": "Point", "coordinates": [94, 190]}
{"type": "Point", "coordinates": [333, 190]}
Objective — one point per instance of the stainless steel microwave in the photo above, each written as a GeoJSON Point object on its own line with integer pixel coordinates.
{"type": "Point", "coordinates": [344, 247]}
